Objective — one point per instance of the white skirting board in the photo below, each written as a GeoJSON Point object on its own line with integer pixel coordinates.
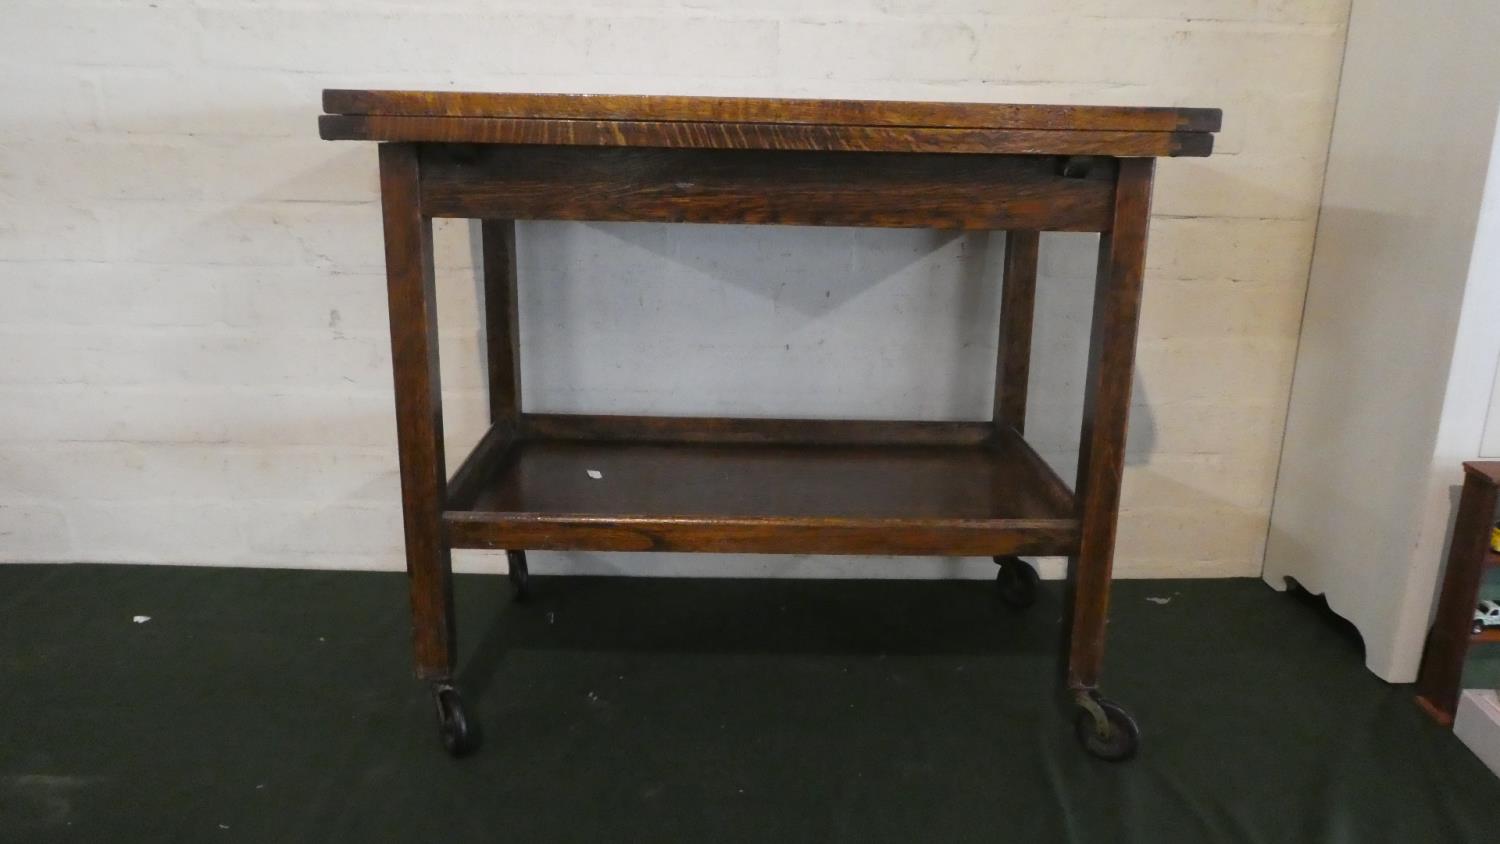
{"type": "Point", "coordinates": [1477, 725]}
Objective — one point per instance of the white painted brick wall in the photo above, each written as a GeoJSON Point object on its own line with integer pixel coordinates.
{"type": "Point", "coordinates": [194, 332]}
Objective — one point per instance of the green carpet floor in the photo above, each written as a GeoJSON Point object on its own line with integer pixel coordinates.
{"type": "Point", "coordinates": [277, 706]}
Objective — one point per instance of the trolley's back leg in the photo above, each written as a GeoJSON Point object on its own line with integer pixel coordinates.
{"type": "Point", "coordinates": [1017, 307]}
{"type": "Point", "coordinates": [501, 321]}
{"type": "Point", "coordinates": [502, 332]}
{"type": "Point", "coordinates": [1016, 580]}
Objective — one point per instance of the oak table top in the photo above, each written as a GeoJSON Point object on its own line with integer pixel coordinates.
{"type": "Point", "coordinates": [766, 123]}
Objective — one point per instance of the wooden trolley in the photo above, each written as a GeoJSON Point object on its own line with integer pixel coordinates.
{"type": "Point", "coordinates": [764, 485]}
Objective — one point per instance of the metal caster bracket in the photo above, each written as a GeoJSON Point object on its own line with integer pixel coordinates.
{"type": "Point", "coordinates": [1104, 728]}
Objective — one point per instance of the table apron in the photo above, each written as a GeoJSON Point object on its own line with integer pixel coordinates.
{"type": "Point", "coordinates": [897, 190]}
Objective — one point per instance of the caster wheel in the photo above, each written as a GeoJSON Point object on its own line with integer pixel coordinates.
{"type": "Point", "coordinates": [1017, 582]}
{"type": "Point", "coordinates": [460, 736]}
{"type": "Point", "coordinates": [520, 577]}
{"type": "Point", "coordinates": [1116, 739]}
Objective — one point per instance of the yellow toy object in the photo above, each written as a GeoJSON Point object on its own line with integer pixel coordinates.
{"type": "Point", "coordinates": [1495, 538]}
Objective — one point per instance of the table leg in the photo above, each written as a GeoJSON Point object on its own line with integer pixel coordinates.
{"type": "Point", "coordinates": [1101, 456]}
{"type": "Point", "coordinates": [502, 328]}
{"type": "Point", "coordinates": [419, 409]}
{"type": "Point", "coordinates": [503, 348]}
{"type": "Point", "coordinates": [1017, 308]}
{"type": "Point", "coordinates": [1106, 408]}
{"type": "Point", "coordinates": [1016, 579]}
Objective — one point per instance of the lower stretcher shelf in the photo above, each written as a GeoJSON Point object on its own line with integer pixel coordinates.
{"type": "Point", "coordinates": [974, 499]}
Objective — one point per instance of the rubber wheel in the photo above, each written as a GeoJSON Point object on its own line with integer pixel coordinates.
{"type": "Point", "coordinates": [520, 576]}
{"type": "Point", "coordinates": [1478, 627]}
{"type": "Point", "coordinates": [1016, 582]}
{"type": "Point", "coordinates": [460, 737]}
{"type": "Point", "coordinates": [1123, 738]}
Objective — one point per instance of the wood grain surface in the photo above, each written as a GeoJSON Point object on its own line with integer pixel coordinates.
{"type": "Point", "coordinates": [419, 409]}
{"type": "Point", "coordinates": [1106, 412]}
{"type": "Point", "coordinates": [766, 136]}
{"type": "Point", "coordinates": [720, 186]}
{"type": "Point", "coordinates": [629, 107]}
{"type": "Point", "coordinates": [767, 486]}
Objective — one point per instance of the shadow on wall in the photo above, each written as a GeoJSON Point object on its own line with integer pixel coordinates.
{"type": "Point", "coordinates": [790, 321]}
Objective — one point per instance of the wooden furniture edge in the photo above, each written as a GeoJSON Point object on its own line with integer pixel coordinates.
{"type": "Point", "coordinates": [1485, 470]}
{"type": "Point", "coordinates": [767, 136]}
{"type": "Point", "coordinates": [760, 534]}
{"type": "Point", "coordinates": [1440, 677]}
{"type": "Point", "coordinates": [1442, 718]}
{"type": "Point", "coordinates": [480, 465]}
{"type": "Point", "coordinates": [843, 112]}
{"type": "Point", "coordinates": [726, 430]}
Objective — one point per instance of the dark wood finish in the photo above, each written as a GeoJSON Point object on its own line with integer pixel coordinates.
{"type": "Point", "coordinates": [760, 136]}
{"type": "Point", "coordinates": [1017, 306]}
{"type": "Point", "coordinates": [990, 498]}
{"type": "Point", "coordinates": [986, 481]}
{"type": "Point", "coordinates": [717, 186]}
{"type": "Point", "coordinates": [763, 485]}
{"type": "Point", "coordinates": [502, 330]}
{"type": "Point", "coordinates": [567, 426]}
{"type": "Point", "coordinates": [769, 110]}
{"type": "Point", "coordinates": [1444, 719]}
{"type": "Point", "coordinates": [480, 465]}
{"type": "Point", "coordinates": [419, 408]}
{"type": "Point", "coordinates": [1106, 410]}
{"type": "Point", "coordinates": [1439, 679]}
{"type": "Point", "coordinates": [766, 124]}
{"type": "Point", "coordinates": [770, 535]}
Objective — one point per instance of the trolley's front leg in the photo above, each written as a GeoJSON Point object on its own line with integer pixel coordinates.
{"type": "Point", "coordinates": [1104, 728]}
{"type": "Point", "coordinates": [419, 434]}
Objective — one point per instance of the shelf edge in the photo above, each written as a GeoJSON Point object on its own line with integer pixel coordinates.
{"type": "Point", "coordinates": [761, 534]}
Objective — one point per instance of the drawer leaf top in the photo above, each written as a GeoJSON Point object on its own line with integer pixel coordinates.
{"type": "Point", "coordinates": [764, 123]}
